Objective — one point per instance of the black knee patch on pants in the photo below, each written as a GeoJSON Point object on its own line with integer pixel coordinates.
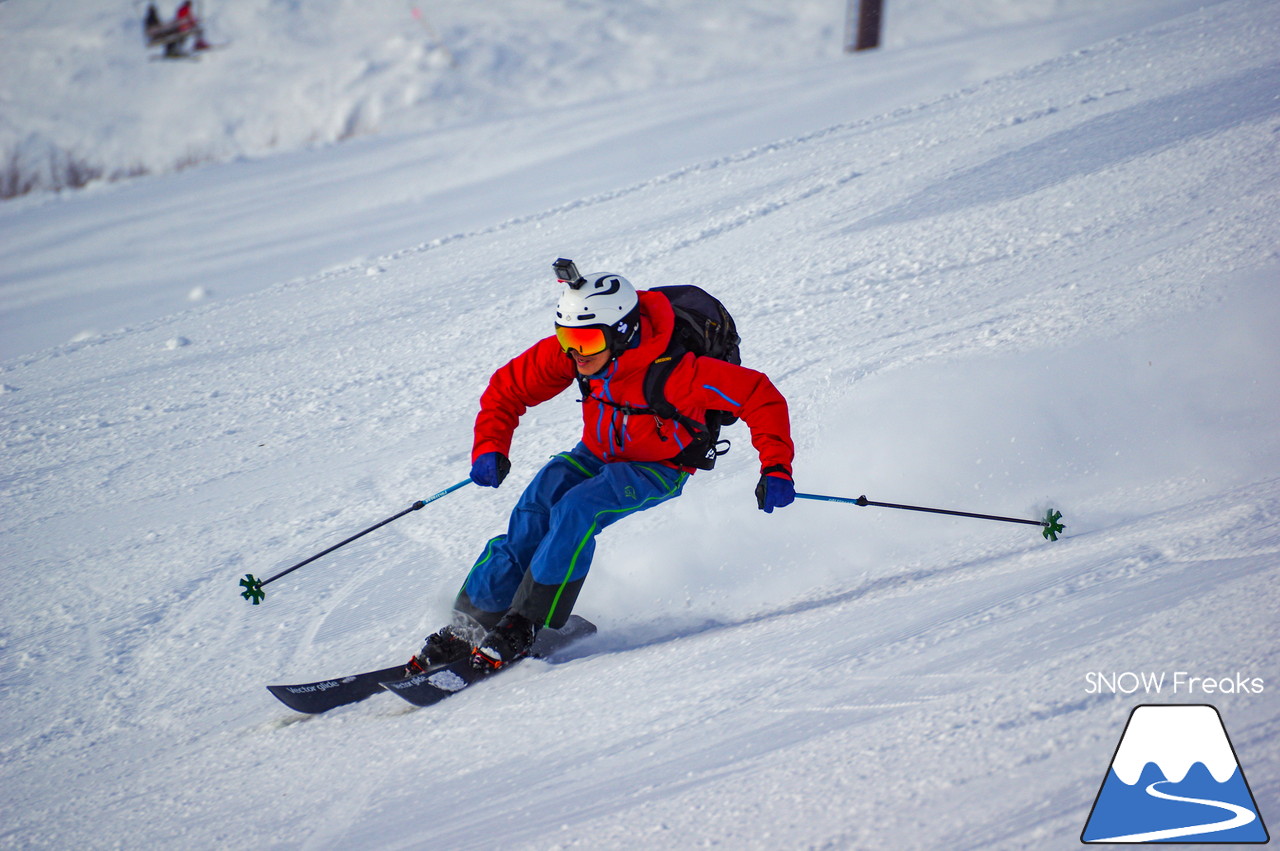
{"type": "Point", "coordinates": [546, 605]}
{"type": "Point", "coordinates": [463, 605]}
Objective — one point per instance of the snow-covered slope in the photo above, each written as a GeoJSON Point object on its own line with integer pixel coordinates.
{"type": "Point", "coordinates": [257, 221]}
{"type": "Point", "coordinates": [1052, 283]}
{"type": "Point", "coordinates": [296, 74]}
{"type": "Point", "coordinates": [80, 94]}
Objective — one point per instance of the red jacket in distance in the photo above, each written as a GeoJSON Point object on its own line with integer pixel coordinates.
{"type": "Point", "coordinates": [695, 385]}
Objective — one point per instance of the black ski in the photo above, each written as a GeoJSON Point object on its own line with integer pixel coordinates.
{"type": "Point", "coordinates": [328, 694]}
{"type": "Point", "coordinates": [323, 695]}
{"type": "Point", "coordinates": [434, 686]}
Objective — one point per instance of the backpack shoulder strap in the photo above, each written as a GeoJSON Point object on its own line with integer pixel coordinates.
{"type": "Point", "coordinates": [655, 381]}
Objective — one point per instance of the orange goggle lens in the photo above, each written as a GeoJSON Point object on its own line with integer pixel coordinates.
{"type": "Point", "coordinates": [586, 341]}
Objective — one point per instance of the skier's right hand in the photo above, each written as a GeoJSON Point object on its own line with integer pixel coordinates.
{"type": "Point", "coordinates": [490, 469]}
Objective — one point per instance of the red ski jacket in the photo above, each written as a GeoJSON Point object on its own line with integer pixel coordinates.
{"type": "Point", "coordinates": [695, 385]}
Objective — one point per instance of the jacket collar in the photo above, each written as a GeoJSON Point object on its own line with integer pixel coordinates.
{"type": "Point", "coordinates": [657, 322]}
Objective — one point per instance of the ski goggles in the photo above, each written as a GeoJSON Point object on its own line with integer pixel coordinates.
{"type": "Point", "coordinates": [585, 341]}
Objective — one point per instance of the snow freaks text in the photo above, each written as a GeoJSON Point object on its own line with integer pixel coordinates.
{"type": "Point", "coordinates": [1177, 683]}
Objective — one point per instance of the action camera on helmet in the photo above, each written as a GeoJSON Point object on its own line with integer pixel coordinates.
{"type": "Point", "coordinates": [567, 273]}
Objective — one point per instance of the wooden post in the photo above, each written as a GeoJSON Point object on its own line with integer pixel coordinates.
{"type": "Point", "coordinates": [862, 25]}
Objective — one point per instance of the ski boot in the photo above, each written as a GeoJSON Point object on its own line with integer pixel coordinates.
{"type": "Point", "coordinates": [509, 640]}
{"type": "Point", "coordinates": [451, 644]}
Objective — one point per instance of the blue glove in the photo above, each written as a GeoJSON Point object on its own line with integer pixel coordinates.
{"type": "Point", "coordinates": [490, 469]}
{"type": "Point", "coordinates": [775, 490]}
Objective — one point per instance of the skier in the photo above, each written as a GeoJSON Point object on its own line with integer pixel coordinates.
{"type": "Point", "coordinates": [609, 334]}
{"type": "Point", "coordinates": [187, 21]}
{"type": "Point", "coordinates": [172, 35]}
{"type": "Point", "coordinates": [151, 21]}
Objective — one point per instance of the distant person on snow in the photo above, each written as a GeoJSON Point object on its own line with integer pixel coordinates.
{"type": "Point", "coordinates": [174, 34]}
{"type": "Point", "coordinates": [607, 335]}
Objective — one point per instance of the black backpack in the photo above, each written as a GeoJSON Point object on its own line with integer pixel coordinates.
{"type": "Point", "coordinates": [704, 327]}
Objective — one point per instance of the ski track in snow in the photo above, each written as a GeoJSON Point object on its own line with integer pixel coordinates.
{"type": "Point", "coordinates": [1052, 284]}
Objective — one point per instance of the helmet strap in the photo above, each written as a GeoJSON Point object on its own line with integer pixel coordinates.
{"type": "Point", "coordinates": [625, 333]}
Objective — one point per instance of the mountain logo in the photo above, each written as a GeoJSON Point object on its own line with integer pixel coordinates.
{"type": "Point", "coordinates": [1175, 778]}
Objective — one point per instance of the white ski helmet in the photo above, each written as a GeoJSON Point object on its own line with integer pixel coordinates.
{"type": "Point", "coordinates": [601, 300]}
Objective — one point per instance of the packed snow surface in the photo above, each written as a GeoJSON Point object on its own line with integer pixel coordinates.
{"type": "Point", "coordinates": [1024, 257]}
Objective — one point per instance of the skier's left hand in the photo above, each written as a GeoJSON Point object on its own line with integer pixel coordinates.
{"type": "Point", "coordinates": [775, 490]}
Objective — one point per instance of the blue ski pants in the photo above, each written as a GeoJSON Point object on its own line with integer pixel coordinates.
{"type": "Point", "coordinates": [538, 566]}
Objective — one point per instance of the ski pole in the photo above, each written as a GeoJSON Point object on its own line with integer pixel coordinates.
{"type": "Point", "coordinates": [253, 586]}
{"type": "Point", "coordinates": [1051, 522]}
